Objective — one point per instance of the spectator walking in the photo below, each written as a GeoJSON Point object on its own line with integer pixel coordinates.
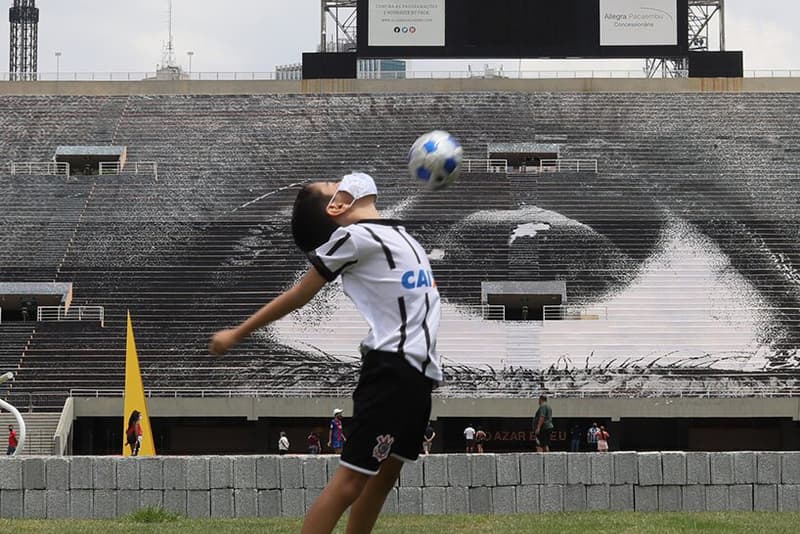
{"type": "Point", "coordinates": [575, 438]}
{"type": "Point", "coordinates": [591, 437]}
{"type": "Point", "coordinates": [12, 440]}
{"type": "Point", "coordinates": [469, 436]}
{"type": "Point", "coordinates": [336, 437]}
{"type": "Point", "coordinates": [427, 442]}
{"type": "Point", "coordinates": [602, 440]}
{"type": "Point", "coordinates": [543, 425]}
{"type": "Point", "coordinates": [314, 446]}
{"type": "Point", "coordinates": [283, 444]}
{"type": "Point", "coordinates": [134, 432]}
{"type": "Point", "coordinates": [480, 439]}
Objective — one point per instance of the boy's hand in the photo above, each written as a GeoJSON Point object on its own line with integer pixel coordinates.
{"type": "Point", "coordinates": [223, 341]}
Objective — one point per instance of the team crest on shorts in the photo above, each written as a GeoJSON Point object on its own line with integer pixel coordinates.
{"type": "Point", "coordinates": [384, 446]}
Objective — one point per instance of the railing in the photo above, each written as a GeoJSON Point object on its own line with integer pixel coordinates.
{"type": "Point", "coordinates": [74, 313]}
{"type": "Point", "coordinates": [54, 168]}
{"type": "Point", "coordinates": [485, 165]}
{"type": "Point", "coordinates": [131, 167]}
{"type": "Point", "coordinates": [568, 165]}
{"type": "Point", "coordinates": [574, 313]}
{"type": "Point", "coordinates": [493, 312]}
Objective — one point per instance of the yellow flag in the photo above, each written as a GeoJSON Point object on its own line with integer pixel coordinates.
{"type": "Point", "coordinates": [135, 402]}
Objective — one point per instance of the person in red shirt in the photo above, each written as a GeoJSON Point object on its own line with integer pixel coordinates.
{"type": "Point", "coordinates": [134, 432]}
{"type": "Point", "coordinates": [12, 440]}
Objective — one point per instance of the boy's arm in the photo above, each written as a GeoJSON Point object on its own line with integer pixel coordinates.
{"type": "Point", "coordinates": [295, 297]}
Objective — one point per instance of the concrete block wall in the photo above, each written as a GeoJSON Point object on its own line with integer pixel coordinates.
{"type": "Point", "coordinates": [269, 486]}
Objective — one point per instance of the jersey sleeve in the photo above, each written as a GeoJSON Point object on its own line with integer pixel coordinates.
{"type": "Point", "coordinates": [335, 256]}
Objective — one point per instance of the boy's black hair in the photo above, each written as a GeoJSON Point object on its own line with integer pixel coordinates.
{"type": "Point", "coordinates": [311, 224]}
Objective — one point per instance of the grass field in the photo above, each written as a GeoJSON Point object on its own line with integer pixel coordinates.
{"type": "Point", "coordinates": [589, 523]}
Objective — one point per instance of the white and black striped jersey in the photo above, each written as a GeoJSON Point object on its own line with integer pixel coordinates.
{"type": "Point", "coordinates": [386, 273]}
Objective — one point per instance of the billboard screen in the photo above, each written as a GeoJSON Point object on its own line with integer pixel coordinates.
{"type": "Point", "coordinates": [522, 28]}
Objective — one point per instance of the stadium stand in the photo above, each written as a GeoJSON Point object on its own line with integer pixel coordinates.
{"type": "Point", "coordinates": [689, 225]}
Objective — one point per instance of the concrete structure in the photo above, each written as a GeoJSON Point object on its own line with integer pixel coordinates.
{"type": "Point", "coordinates": [269, 486]}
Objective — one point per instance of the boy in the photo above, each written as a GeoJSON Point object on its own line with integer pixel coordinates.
{"type": "Point", "coordinates": [386, 274]}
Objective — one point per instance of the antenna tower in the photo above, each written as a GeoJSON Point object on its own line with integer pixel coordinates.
{"type": "Point", "coordinates": [23, 40]}
{"type": "Point", "coordinates": [168, 58]}
{"type": "Point", "coordinates": [343, 36]}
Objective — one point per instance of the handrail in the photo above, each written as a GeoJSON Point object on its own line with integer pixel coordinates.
{"type": "Point", "coordinates": [485, 165]}
{"type": "Point", "coordinates": [73, 313]}
{"type": "Point", "coordinates": [568, 165]}
{"type": "Point", "coordinates": [566, 312]}
{"type": "Point", "coordinates": [131, 167]}
{"type": "Point", "coordinates": [55, 168]}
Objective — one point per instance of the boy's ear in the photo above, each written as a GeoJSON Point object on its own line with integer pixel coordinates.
{"type": "Point", "coordinates": [339, 204]}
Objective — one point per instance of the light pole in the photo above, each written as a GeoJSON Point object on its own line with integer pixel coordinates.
{"type": "Point", "coordinates": [190, 54]}
{"type": "Point", "coordinates": [58, 65]}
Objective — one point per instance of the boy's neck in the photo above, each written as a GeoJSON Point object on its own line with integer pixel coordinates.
{"type": "Point", "coordinates": [359, 213]}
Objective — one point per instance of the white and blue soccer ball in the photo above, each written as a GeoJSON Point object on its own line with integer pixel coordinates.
{"type": "Point", "coordinates": [435, 159]}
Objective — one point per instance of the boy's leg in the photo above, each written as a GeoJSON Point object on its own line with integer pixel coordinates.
{"type": "Point", "coordinates": [368, 506]}
{"type": "Point", "coordinates": [338, 495]}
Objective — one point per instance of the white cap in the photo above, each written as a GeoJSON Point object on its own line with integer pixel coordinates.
{"type": "Point", "coordinates": [359, 185]}
{"type": "Point", "coordinates": [337, 411]}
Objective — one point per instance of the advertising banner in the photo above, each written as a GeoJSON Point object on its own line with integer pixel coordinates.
{"type": "Point", "coordinates": [406, 22]}
{"type": "Point", "coordinates": [638, 22]}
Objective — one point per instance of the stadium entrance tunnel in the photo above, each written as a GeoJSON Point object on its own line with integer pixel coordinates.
{"type": "Point", "coordinates": [20, 301]}
{"type": "Point", "coordinates": [523, 157]}
{"type": "Point", "coordinates": [92, 160]}
{"type": "Point", "coordinates": [523, 301]}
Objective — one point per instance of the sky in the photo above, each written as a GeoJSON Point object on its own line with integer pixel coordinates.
{"type": "Point", "coordinates": [257, 35]}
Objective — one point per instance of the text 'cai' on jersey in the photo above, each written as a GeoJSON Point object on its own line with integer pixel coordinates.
{"type": "Point", "coordinates": [387, 275]}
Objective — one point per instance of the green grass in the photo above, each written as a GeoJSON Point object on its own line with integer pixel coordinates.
{"type": "Point", "coordinates": [156, 521]}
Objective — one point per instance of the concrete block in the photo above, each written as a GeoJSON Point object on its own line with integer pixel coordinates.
{"type": "Point", "coordinates": [269, 503]}
{"type": "Point", "coordinates": [551, 499]}
{"type": "Point", "coordinates": [33, 473]}
{"type": "Point", "coordinates": [693, 498]}
{"type": "Point", "coordinates": [555, 468]}
{"type": "Point", "coordinates": [673, 468]}
{"type": "Point", "coordinates": [128, 473]}
{"type": "Point", "coordinates": [410, 500]}
{"type": "Point", "coordinates": [788, 498]}
{"type": "Point", "coordinates": [527, 499]}
{"type": "Point", "coordinates": [174, 472]}
{"type": "Point", "coordinates": [81, 504]}
{"type": "Point", "coordinates": [244, 472]}
{"type": "Point", "coordinates": [575, 498]}
{"type": "Point", "coordinates": [311, 495]}
{"type": "Point", "coordinates": [34, 504]}
{"type": "Point", "coordinates": [650, 469]}
{"type": "Point", "coordinates": [598, 497]}
{"type": "Point", "coordinates": [11, 502]}
{"type": "Point", "coordinates": [105, 504]}
{"type": "Point", "coordinates": [293, 502]}
{"type": "Point", "coordinates": [504, 500]}
{"type": "Point", "coordinates": [434, 470]}
{"type": "Point", "coordinates": [291, 468]}
{"type": "Point", "coordinates": [669, 498]}
{"type": "Point", "coordinates": [220, 472]}
{"type": "Point", "coordinates": [507, 469]}
{"type": "Point", "coordinates": [484, 469]}
{"type": "Point", "coordinates": [104, 473]}
{"type": "Point", "coordinates": [197, 474]}
{"type": "Point", "coordinates": [128, 501]}
{"type": "Point", "coordinates": [698, 468]}
{"type": "Point", "coordinates": [480, 500]}
{"type": "Point", "coordinates": [198, 503]}
{"type": "Point", "coordinates": [458, 470]}
{"type": "Point", "coordinates": [267, 473]}
{"type": "Point", "coordinates": [151, 499]}
{"type": "Point", "coordinates": [740, 498]}
{"type": "Point", "coordinates": [768, 468]}
{"type": "Point", "coordinates": [391, 505]}
{"type": "Point", "coordinates": [315, 472]}
{"type": "Point", "coordinates": [721, 468]}
{"type": "Point", "coordinates": [57, 504]}
{"type": "Point", "coordinates": [57, 473]}
{"type": "Point", "coordinates": [744, 468]}
{"type": "Point", "coordinates": [175, 501]}
{"type": "Point", "coordinates": [245, 502]}
{"type": "Point", "coordinates": [717, 498]}
{"type": "Point", "coordinates": [790, 467]}
{"type": "Point", "coordinates": [765, 498]}
{"type": "Point", "coordinates": [602, 468]}
{"type": "Point", "coordinates": [222, 502]}
{"type": "Point", "coordinates": [411, 475]}
{"type": "Point", "coordinates": [626, 468]}
{"type": "Point", "coordinates": [11, 475]}
{"type": "Point", "coordinates": [531, 469]}
{"type": "Point", "coordinates": [333, 465]}
{"type": "Point", "coordinates": [579, 469]}
{"type": "Point", "coordinates": [434, 501]}
{"type": "Point", "coordinates": [645, 498]}
{"type": "Point", "coordinates": [151, 473]}
{"type": "Point", "coordinates": [621, 498]}
{"type": "Point", "coordinates": [457, 500]}
{"type": "Point", "coordinates": [80, 473]}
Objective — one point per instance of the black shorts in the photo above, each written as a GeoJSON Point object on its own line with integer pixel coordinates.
{"type": "Point", "coordinates": [391, 411]}
{"type": "Point", "coordinates": [544, 438]}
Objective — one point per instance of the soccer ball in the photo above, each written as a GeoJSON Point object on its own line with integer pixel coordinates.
{"type": "Point", "coordinates": [435, 159]}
